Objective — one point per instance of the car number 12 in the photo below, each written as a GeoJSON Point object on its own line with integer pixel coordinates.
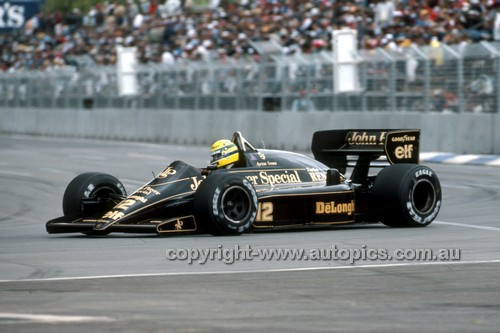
{"type": "Point", "coordinates": [265, 212]}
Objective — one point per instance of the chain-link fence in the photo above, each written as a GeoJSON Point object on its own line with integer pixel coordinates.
{"type": "Point", "coordinates": [416, 79]}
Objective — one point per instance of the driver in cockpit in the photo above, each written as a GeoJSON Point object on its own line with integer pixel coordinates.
{"type": "Point", "coordinates": [224, 154]}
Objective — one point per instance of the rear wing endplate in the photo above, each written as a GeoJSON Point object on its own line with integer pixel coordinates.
{"type": "Point", "coordinates": [397, 145]}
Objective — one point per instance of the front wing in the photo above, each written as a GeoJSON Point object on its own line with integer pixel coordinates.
{"type": "Point", "coordinates": [177, 225]}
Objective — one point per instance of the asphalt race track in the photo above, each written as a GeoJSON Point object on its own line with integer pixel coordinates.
{"type": "Point", "coordinates": [125, 283]}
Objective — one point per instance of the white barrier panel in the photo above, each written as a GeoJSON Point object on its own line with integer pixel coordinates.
{"type": "Point", "coordinates": [345, 48]}
{"type": "Point", "coordinates": [126, 70]}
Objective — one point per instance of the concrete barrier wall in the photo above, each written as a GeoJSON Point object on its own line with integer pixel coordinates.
{"type": "Point", "coordinates": [455, 133]}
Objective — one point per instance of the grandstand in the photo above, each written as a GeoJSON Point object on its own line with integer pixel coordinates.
{"type": "Point", "coordinates": [414, 55]}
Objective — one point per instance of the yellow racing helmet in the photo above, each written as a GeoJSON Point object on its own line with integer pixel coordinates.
{"type": "Point", "coordinates": [223, 153]}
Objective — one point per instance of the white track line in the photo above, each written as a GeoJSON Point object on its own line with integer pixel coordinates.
{"type": "Point", "coordinates": [51, 319]}
{"type": "Point", "coordinates": [52, 170]}
{"type": "Point", "coordinates": [147, 156]}
{"type": "Point", "coordinates": [16, 173]}
{"type": "Point", "coordinates": [276, 270]}
{"type": "Point", "coordinates": [464, 225]}
{"type": "Point", "coordinates": [88, 157]}
{"type": "Point", "coordinates": [462, 187]}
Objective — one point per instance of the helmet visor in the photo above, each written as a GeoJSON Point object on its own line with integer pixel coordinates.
{"type": "Point", "coordinates": [215, 156]}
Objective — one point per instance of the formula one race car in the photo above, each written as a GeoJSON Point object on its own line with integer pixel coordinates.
{"type": "Point", "coordinates": [267, 189]}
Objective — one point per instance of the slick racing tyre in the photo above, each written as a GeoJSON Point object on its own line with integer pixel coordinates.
{"type": "Point", "coordinates": [90, 185]}
{"type": "Point", "coordinates": [227, 203]}
{"type": "Point", "coordinates": [407, 195]}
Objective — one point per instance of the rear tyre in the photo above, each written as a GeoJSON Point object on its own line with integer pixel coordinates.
{"type": "Point", "coordinates": [90, 185]}
{"type": "Point", "coordinates": [227, 203]}
{"type": "Point", "coordinates": [407, 195]}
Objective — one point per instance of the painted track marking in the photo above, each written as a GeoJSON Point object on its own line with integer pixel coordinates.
{"type": "Point", "coordinates": [277, 270]}
{"type": "Point", "coordinates": [464, 225]}
{"type": "Point", "coordinates": [50, 319]}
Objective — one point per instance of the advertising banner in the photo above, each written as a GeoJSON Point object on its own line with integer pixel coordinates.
{"type": "Point", "coordinates": [15, 13]}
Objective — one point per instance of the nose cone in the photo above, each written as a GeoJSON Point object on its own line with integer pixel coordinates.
{"type": "Point", "coordinates": [178, 181]}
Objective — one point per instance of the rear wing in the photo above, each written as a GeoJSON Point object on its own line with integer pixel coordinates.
{"type": "Point", "coordinates": [334, 146]}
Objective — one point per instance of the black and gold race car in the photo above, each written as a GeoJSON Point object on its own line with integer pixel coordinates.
{"type": "Point", "coordinates": [267, 189]}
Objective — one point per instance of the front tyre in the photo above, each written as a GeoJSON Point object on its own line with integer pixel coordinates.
{"type": "Point", "coordinates": [227, 202]}
{"type": "Point", "coordinates": [407, 195]}
{"type": "Point", "coordinates": [89, 185]}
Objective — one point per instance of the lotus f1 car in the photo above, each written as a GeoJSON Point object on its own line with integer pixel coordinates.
{"type": "Point", "coordinates": [267, 189]}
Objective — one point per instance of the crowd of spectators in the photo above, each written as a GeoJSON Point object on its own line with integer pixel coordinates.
{"type": "Point", "coordinates": [170, 31]}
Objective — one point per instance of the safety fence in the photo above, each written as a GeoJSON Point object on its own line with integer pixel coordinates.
{"type": "Point", "coordinates": [448, 78]}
